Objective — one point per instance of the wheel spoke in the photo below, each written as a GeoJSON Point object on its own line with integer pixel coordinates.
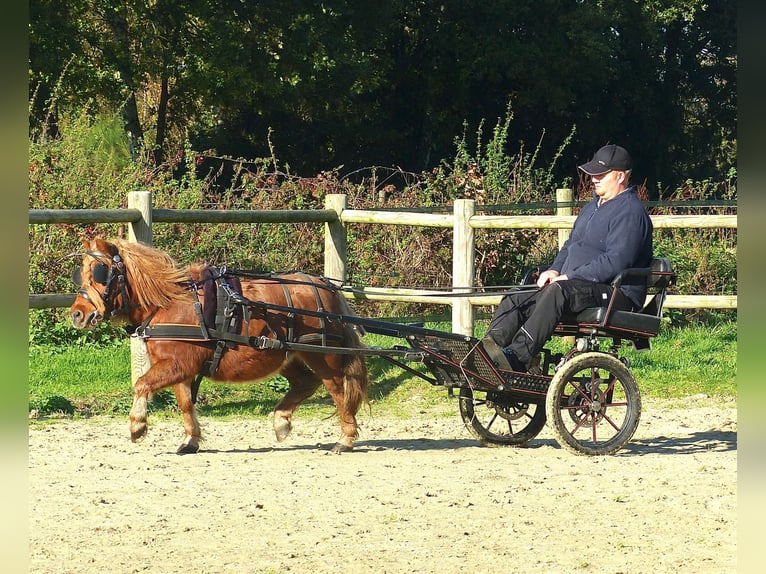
{"type": "Point", "coordinates": [578, 426]}
{"type": "Point", "coordinates": [582, 391]}
{"type": "Point", "coordinates": [608, 419]}
{"type": "Point", "coordinates": [594, 426]}
{"type": "Point", "coordinates": [609, 390]}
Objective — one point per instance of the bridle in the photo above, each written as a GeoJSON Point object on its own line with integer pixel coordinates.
{"type": "Point", "coordinates": [111, 276]}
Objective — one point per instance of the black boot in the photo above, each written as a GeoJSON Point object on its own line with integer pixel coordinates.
{"type": "Point", "coordinates": [495, 353]}
{"type": "Point", "coordinates": [504, 359]}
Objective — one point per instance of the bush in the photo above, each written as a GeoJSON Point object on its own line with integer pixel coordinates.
{"type": "Point", "coordinates": [51, 327]}
{"type": "Point", "coordinates": [88, 166]}
{"type": "Point", "coordinates": [51, 404]}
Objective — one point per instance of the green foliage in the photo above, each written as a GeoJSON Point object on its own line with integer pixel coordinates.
{"type": "Point", "coordinates": [699, 358]}
{"type": "Point", "coordinates": [352, 83]}
{"type": "Point", "coordinates": [52, 327]}
{"type": "Point", "coordinates": [85, 167]}
{"type": "Point", "coordinates": [491, 174]}
{"type": "Point", "coordinates": [705, 260]}
{"type": "Point", "coordinates": [51, 404]}
{"type": "Point", "coordinates": [278, 384]}
{"type": "Point", "coordinates": [94, 378]}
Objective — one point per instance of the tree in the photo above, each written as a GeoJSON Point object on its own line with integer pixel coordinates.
{"type": "Point", "coordinates": [392, 83]}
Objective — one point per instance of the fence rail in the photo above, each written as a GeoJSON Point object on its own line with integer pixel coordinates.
{"type": "Point", "coordinates": [48, 216]}
{"type": "Point", "coordinates": [464, 221]}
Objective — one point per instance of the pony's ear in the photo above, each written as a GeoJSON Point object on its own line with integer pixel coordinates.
{"type": "Point", "coordinates": [85, 243]}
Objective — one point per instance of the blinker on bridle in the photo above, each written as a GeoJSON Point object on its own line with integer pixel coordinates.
{"type": "Point", "coordinates": [100, 274]}
{"type": "Point", "coordinates": [105, 275]}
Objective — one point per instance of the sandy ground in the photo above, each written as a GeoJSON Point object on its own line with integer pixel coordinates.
{"type": "Point", "coordinates": [416, 495]}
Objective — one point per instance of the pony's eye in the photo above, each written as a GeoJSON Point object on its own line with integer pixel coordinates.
{"type": "Point", "coordinates": [77, 277]}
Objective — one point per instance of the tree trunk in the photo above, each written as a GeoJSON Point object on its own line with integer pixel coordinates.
{"type": "Point", "coordinates": [158, 155]}
{"type": "Point", "coordinates": [132, 125]}
{"type": "Point", "coordinates": [118, 24]}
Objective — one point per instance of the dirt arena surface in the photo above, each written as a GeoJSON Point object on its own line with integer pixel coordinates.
{"type": "Point", "coordinates": [416, 495]}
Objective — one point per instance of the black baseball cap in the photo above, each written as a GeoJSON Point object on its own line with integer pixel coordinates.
{"type": "Point", "coordinates": [608, 158]}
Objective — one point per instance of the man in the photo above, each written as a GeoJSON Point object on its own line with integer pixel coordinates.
{"type": "Point", "coordinates": [612, 233]}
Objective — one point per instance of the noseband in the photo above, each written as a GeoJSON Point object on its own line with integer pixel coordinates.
{"type": "Point", "coordinates": [107, 275]}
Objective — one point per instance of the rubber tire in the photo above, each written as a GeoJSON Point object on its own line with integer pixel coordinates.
{"type": "Point", "coordinates": [561, 414]}
{"type": "Point", "coordinates": [484, 430]}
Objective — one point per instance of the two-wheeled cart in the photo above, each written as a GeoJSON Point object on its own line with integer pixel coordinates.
{"type": "Point", "coordinates": [587, 394]}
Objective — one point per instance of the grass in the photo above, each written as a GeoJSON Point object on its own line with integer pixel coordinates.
{"type": "Point", "coordinates": [85, 380]}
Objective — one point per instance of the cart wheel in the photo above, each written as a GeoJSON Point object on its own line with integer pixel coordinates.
{"type": "Point", "coordinates": [593, 404]}
{"type": "Point", "coordinates": [497, 420]}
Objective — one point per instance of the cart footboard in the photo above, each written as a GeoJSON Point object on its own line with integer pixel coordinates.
{"type": "Point", "coordinates": [466, 364]}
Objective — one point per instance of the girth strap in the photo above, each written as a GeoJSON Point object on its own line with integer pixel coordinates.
{"type": "Point", "coordinates": [290, 315]}
{"type": "Point", "coordinates": [320, 309]}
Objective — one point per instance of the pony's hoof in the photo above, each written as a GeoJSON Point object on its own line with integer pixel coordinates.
{"type": "Point", "coordinates": [188, 449]}
{"type": "Point", "coordinates": [282, 429]}
{"type": "Point", "coordinates": [341, 448]}
{"type": "Point", "coordinates": [138, 436]}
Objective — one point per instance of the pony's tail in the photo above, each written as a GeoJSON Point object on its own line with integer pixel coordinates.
{"type": "Point", "coordinates": [355, 375]}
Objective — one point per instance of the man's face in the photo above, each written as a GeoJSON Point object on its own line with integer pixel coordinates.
{"type": "Point", "coordinates": [609, 184]}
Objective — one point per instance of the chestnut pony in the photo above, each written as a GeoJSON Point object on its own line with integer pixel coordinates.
{"type": "Point", "coordinates": [145, 288]}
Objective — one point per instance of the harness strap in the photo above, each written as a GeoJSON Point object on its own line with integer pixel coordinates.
{"type": "Point", "coordinates": [320, 309]}
{"type": "Point", "coordinates": [320, 337]}
{"type": "Point", "coordinates": [211, 366]}
{"type": "Point", "coordinates": [179, 332]}
{"type": "Point", "coordinates": [290, 314]}
{"type": "Point", "coordinates": [195, 387]}
{"type": "Point", "coordinates": [227, 308]}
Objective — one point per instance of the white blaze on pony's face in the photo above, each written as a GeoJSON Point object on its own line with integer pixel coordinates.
{"type": "Point", "coordinates": [89, 307]}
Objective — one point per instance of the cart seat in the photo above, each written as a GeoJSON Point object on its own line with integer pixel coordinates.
{"type": "Point", "coordinates": [627, 320]}
{"type": "Point", "coordinates": [635, 325]}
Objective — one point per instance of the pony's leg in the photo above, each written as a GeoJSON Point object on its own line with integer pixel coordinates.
{"type": "Point", "coordinates": [162, 374]}
{"type": "Point", "coordinates": [138, 424]}
{"type": "Point", "coordinates": [303, 384]}
{"type": "Point", "coordinates": [349, 429]}
{"type": "Point", "coordinates": [183, 393]}
{"type": "Point", "coordinates": [345, 378]}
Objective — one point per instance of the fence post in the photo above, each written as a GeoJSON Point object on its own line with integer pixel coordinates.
{"type": "Point", "coordinates": [335, 240]}
{"type": "Point", "coordinates": [564, 196]}
{"type": "Point", "coordinates": [464, 244]}
{"type": "Point", "coordinates": [141, 230]}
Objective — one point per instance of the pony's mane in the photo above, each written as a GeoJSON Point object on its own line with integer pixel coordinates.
{"type": "Point", "coordinates": [154, 276]}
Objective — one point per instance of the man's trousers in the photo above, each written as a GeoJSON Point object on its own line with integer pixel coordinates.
{"type": "Point", "coordinates": [524, 321]}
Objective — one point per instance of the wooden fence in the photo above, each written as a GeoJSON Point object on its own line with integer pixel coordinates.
{"type": "Point", "coordinates": [463, 221]}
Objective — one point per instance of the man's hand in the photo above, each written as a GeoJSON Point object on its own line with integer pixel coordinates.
{"type": "Point", "coordinates": [549, 276]}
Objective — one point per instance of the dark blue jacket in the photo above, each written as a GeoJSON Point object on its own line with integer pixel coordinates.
{"type": "Point", "coordinates": [608, 239]}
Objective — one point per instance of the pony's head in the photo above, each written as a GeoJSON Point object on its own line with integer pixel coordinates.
{"type": "Point", "coordinates": [118, 278]}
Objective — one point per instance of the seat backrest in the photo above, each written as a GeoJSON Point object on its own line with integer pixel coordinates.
{"type": "Point", "coordinates": [660, 278]}
{"type": "Point", "coordinates": [662, 274]}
